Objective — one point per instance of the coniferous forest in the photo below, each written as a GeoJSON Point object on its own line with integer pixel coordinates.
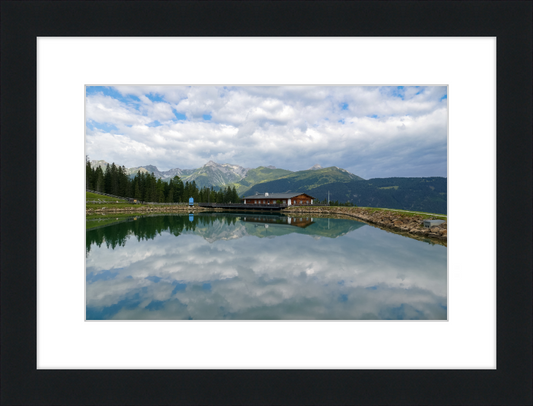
{"type": "Point", "coordinates": [145, 187]}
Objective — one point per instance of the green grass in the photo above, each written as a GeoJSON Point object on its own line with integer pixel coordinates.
{"type": "Point", "coordinates": [112, 205]}
{"type": "Point", "coordinates": [96, 196]}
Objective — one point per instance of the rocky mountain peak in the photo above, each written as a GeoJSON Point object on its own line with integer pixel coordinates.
{"type": "Point", "coordinates": [315, 167]}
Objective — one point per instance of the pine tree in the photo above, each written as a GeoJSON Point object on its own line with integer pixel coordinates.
{"type": "Point", "coordinates": [88, 174]}
{"type": "Point", "coordinates": [124, 183]}
{"type": "Point", "coordinates": [170, 198]}
{"type": "Point", "coordinates": [141, 179]}
{"type": "Point", "coordinates": [100, 181]}
{"type": "Point", "coordinates": [129, 187]}
{"type": "Point", "coordinates": [148, 195]}
{"type": "Point", "coordinates": [226, 196]}
{"type": "Point", "coordinates": [235, 196]}
{"type": "Point", "coordinates": [160, 191]}
{"type": "Point", "coordinates": [193, 191]}
{"type": "Point", "coordinates": [114, 180]}
{"type": "Point", "coordinates": [137, 192]}
{"type": "Point", "coordinates": [153, 189]}
{"type": "Point", "coordinates": [166, 192]}
{"type": "Point", "coordinates": [107, 179]}
{"type": "Point", "coordinates": [186, 193]}
{"type": "Point", "coordinates": [178, 191]}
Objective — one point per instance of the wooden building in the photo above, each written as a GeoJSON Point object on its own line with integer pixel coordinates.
{"type": "Point", "coordinates": [301, 222]}
{"type": "Point", "coordinates": [290, 199]}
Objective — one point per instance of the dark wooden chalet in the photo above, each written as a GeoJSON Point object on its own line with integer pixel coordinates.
{"type": "Point", "coordinates": [290, 199]}
{"type": "Point", "coordinates": [301, 222]}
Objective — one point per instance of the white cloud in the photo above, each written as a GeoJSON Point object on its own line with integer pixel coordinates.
{"type": "Point", "coordinates": [288, 127]}
{"type": "Point", "coordinates": [105, 109]}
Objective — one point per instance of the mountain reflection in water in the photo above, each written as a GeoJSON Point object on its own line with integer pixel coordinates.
{"type": "Point", "coordinates": [255, 266]}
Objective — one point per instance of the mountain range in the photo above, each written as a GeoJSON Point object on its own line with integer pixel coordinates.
{"type": "Point", "coordinates": [421, 194]}
{"type": "Point", "coordinates": [217, 175]}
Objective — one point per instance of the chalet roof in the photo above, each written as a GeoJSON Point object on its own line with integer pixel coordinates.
{"type": "Point", "coordinates": [277, 196]}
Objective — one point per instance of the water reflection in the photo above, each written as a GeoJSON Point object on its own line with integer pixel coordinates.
{"type": "Point", "coordinates": [260, 267]}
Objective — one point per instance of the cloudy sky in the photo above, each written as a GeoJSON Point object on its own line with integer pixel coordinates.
{"type": "Point", "coordinates": [369, 131]}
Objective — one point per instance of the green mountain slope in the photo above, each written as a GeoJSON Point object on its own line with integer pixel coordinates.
{"type": "Point", "coordinates": [420, 194]}
{"type": "Point", "coordinates": [259, 175]}
{"type": "Point", "coordinates": [305, 180]}
{"type": "Point", "coordinates": [317, 177]}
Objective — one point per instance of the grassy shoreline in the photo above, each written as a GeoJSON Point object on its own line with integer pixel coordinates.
{"type": "Point", "coordinates": [117, 207]}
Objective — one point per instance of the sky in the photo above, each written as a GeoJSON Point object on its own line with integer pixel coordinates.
{"type": "Point", "coordinates": [371, 131]}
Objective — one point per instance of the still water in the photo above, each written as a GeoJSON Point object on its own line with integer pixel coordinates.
{"type": "Point", "coordinates": [253, 266]}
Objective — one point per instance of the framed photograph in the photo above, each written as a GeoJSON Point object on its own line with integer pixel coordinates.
{"type": "Point", "coordinates": [256, 228]}
{"type": "Point", "coordinates": [51, 329]}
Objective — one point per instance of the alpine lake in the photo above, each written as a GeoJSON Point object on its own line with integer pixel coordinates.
{"type": "Point", "coordinates": [258, 266]}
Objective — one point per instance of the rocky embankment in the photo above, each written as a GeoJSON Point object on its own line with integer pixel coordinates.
{"type": "Point", "coordinates": [402, 223]}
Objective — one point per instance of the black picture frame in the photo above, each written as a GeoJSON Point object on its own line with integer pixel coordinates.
{"type": "Point", "coordinates": [22, 22]}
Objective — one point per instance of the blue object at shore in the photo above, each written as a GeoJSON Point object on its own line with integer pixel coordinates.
{"type": "Point", "coordinates": [191, 201]}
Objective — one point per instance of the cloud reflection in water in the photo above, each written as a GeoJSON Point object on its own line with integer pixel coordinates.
{"type": "Point", "coordinates": [230, 268]}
